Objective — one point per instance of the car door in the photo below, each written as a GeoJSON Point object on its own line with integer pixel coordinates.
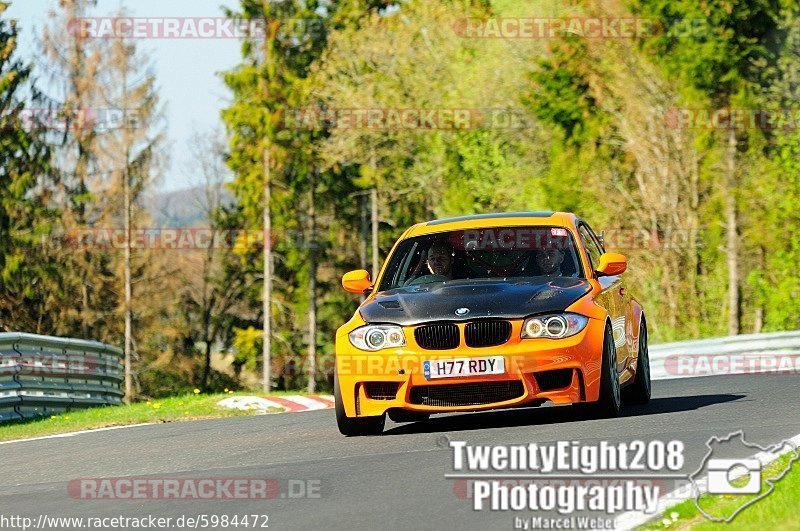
{"type": "Point", "coordinates": [611, 297]}
{"type": "Point", "coordinates": [625, 308]}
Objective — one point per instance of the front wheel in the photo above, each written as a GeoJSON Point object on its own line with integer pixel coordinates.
{"type": "Point", "coordinates": [610, 402]}
{"type": "Point", "coordinates": [639, 391]}
{"type": "Point", "coordinates": [354, 426]}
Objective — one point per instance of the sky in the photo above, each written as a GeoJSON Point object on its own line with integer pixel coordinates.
{"type": "Point", "coordinates": [186, 69]}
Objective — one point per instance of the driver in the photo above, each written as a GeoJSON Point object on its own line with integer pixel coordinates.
{"type": "Point", "coordinates": [549, 262]}
{"type": "Point", "coordinates": [439, 263]}
{"type": "Point", "coordinates": [440, 259]}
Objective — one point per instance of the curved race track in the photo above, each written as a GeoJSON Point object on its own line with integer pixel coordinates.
{"type": "Point", "coordinates": [392, 481]}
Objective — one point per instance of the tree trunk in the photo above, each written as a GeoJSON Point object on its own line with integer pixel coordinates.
{"type": "Point", "coordinates": [126, 197]}
{"type": "Point", "coordinates": [206, 365]}
{"type": "Point", "coordinates": [731, 219]}
{"type": "Point", "coordinates": [267, 291]}
{"type": "Point", "coordinates": [758, 320]}
{"type": "Point", "coordinates": [312, 287]}
{"type": "Point", "coordinates": [693, 226]}
{"type": "Point", "coordinates": [128, 295]}
{"type": "Point", "coordinates": [374, 196]}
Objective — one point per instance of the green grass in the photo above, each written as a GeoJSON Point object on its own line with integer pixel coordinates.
{"type": "Point", "coordinates": [173, 409]}
{"type": "Point", "coordinates": [777, 511]}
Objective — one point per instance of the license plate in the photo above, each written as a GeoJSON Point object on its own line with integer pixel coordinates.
{"type": "Point", "coordinates": [463, 367]}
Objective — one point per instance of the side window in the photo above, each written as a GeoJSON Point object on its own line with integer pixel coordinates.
{"type": "Point", "coordinates": [591, 246]}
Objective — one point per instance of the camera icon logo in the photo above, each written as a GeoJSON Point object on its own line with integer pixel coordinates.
{"type": "Point", "coordinates": [744, 481]}
{"type": "Point", "coordinates": [723, 476]}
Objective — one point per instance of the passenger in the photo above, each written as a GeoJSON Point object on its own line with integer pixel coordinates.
{"type": "Point", "coordinates": [549, 262]}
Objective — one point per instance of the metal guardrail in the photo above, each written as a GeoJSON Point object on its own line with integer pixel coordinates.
{"type": "Point", "coordinates": [743, 354]}
{"type": "Point", "coordinates": [45, 375]}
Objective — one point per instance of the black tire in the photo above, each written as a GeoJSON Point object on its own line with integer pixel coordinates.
{"type": "Point", "coordinates": [354, 427]}
{"type": "Point", "coordinates": [402, 415]}
{"type": "Point", "coordinates": [639, 391]}
{"type": "Point", "coordinates": [610, 403]}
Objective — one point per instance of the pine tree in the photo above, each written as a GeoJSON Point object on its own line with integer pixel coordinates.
{"type": "Point", "coordinates": [87, 276]}
{"type": "Point", "coordinates": [270, 166]}
{"type": "Point", "coordinates": [26, 219]}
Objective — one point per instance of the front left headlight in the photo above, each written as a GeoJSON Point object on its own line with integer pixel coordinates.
{"type": "Point", "coordinates": [377, 337]}
{"type": "Point", "coordinates": [555, 326]}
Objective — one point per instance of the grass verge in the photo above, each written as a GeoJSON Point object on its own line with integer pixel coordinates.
{"type": "Point", "coordinates": [776, 511]}
{"type": "Point", "coordinates": [173, 409]}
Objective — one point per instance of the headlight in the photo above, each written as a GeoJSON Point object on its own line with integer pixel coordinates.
{"type": "Point", "coordinates": [377, 337]}
{"type": "Point", "coordinates": [553, 326]}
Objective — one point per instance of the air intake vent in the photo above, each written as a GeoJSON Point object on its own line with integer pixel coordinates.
{"type": "Point", "coordinates": [381, 390]}
{"type": "Point", "coordinates": [552, 380]}
{"type": "Point", "coordinates": [437, 337]}
{"type": "Point", "coordinates": [466, 394]}
{"type": "Point", "coordinates": [487, 333]}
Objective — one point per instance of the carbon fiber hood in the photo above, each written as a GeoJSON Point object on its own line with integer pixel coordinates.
{"type": "Point", "coordinates": [513, 299]}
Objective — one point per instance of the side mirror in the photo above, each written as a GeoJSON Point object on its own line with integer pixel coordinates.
{"type": "Point", "coordinates": [611, 264]}
{"type": "Point", "coordinates": [357, 281]}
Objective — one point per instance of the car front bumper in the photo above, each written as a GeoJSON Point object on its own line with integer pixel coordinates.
{"type": "Point", "coordinates": [562, 371]}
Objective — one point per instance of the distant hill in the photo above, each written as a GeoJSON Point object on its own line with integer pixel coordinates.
{"type": "Point", "coordinates": [182, 208]}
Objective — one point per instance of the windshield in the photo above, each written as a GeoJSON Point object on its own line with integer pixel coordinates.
{"type": "Point", "coordinates": [490, 253]}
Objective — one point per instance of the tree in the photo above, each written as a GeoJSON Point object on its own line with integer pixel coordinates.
{"type": "Point", "coordinates": [264, 86]}
{"type": "Point", "coordinates": [211, 297]}
{"type": "Point", "coordinates": [107, 155]}
{"type": "Point", "coordinates": [87, 291]}
{"type": "Point", "coordinates": [773, 195]}
{"type": "Point", "coordinates": [724, 64]}
{"type": "Point", "coordinates": [26, 179]}
{"type": "Point", "coordinates": [131, 152]}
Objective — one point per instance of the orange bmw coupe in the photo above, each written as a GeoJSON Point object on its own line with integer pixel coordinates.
{"type": "Point", "coordinates": [490, 311]}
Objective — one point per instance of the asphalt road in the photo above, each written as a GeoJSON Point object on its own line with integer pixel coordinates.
{"type": "Point", "coordinates": [393, 481]}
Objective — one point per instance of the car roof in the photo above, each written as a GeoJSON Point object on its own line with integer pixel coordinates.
{"type": "Point", "coordinates": [500, 219]}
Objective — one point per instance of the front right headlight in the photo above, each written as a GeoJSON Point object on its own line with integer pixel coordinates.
{"type": "Point", "coordinates": [377, 337]}
{"type": "Point", "coordinates": [555, 326]}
